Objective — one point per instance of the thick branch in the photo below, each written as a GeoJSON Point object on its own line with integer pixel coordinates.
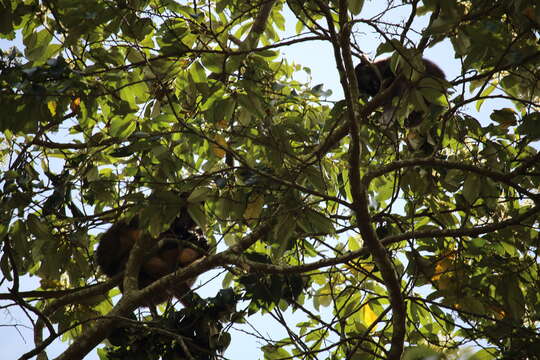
{"type": "Point", "coordinates": [387, 241]}
{"type": "Point", "coordinates": [335, 137]}
{"type": "Point", "coordinates": [361, 200]}
{"type": "Point", "coordinates": [102, 327]}
{"type": "Point", "coordinates": [259, 25]}
{"type": "Point", "coordinates": [73, 297]}
{"type": "Point", "coordinates": [494, 175]}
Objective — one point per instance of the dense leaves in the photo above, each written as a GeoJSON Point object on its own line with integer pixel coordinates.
{"type": "Point", "coordinates": [193, 332]}
{"type": "Point", "coordinates": [385, 239]}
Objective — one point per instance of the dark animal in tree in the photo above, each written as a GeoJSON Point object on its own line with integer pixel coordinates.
{"type": "Point", "coordinates": [175, 248]}
{"type": "Point", "coordinates": [377, 76]}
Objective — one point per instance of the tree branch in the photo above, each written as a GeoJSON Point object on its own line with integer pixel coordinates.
{"type": "Point", "coordinates": [495, 175]}
{"type": "Point", "coordinates": [361, 200]}
{"type": "Point", "coordinates": [102, 327]}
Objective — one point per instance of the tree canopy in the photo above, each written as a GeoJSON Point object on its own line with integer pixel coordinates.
{"type": "Point", "coordinates": [389, 241]}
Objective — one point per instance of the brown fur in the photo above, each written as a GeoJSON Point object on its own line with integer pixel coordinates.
{"type": "Point", "coordinates": [376, 76]}
{"type": "Point", "coordinates": [116, 243]}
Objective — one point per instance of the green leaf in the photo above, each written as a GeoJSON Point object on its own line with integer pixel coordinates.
{"type": "Point", "coordinates": [213, 62]}
{"type": "Point", "coordinates": [138, 29]}
{"type": "Point", "coordinates": [505, 117]}
{"type": "Point", "coordinates": [471, 188]}
{"type": "Point", "coordinates": [299, 27]}
{"type": "Point", "coordinates": [221, 5]}
{"type": "Point", "coordinates": [484, 354]}
{"type": "Point", "coordinates": [37, 44]}
{"type": "Point", "coordinates": [433, 91]}
{"type": "Point", "coordinates": [421, 352]}
{"type": "Point", "coordinates": [513, 297]}
{"type": "Point", "coordinates": [123, 151]}
{"type": "Point", "coordinates": [122, 126]}
{"type": "Point", "coordinates": [252, 104]}
{"type": "Point", "coordinates": [486, 92]}
{"type": "Point", "coordinates": [355, 6]}
{"type": "Point", "coordinates": [279, 20]}
{"type": "Point", "coordinates": [461, 43]}
{"type": "Point", "coordinates": [530, 126]}
{"type": "Point", "coordinates": [197, 73]}
{"type": "Point", "coordinates": [197, 214]}
{"type": "Point", "coordinates": [199, 194]}
{"type": "Point", "coordinates": [315, 222]}
{"type": "Point", "coordinates": [272, 352]}
{"type": "Point", "coordinates": [38, 227]}
{"type": "Point", "coordinates": [6, 19]}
